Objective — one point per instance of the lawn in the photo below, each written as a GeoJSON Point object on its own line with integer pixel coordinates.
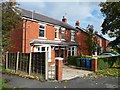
{"type": "Point", "coordinates": [114, 71]}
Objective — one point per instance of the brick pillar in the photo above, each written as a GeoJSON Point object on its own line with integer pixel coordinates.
{"type": "Point", "coordinates": [59, 62]}
{"type": "Point", "coordinates": [94, 64]}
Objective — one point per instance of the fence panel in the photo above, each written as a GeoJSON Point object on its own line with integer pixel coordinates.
{"type": "Point", "coordinates": [38, 63]}
{"type": "Point", "coordinates": [12, 60]}
{"type": "Point", "coordinates": [23, 62]}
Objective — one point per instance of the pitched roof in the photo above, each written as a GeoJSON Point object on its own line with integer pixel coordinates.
{"type": "Point", "coordinates": [83, 30]}
{"type": "Point", "coordinates": [43, 18]}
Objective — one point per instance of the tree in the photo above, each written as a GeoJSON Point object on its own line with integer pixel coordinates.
{"type": "Point", "coordinates": [91, 40]}
{"type": "Point", "coordinates": [111, 24]}
{"type": "Point", "coordinates": [10, 19]}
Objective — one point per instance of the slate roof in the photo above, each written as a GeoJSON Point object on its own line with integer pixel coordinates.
{"type": "Point", "coordinates": [43, 18]}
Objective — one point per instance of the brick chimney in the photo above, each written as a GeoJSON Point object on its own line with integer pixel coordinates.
{"type": "Point", "coordinates": [64, 19]}
{"type": "Point", "coordinates": [77, 24]}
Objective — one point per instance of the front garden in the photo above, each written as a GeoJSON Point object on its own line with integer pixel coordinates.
{"type": "Point", "coordinates": [106, 66]}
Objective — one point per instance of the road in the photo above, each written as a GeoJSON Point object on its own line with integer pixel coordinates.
{"type": "Point", "coordinates": [85, 82]}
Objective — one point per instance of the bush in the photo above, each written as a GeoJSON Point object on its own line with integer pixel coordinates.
{"type": "Point", "coordinates": [108, 62]}
{"type": "Point", "coordinates": [72, 60]}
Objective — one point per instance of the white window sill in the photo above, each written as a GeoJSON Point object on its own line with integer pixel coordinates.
{"type": "Point", "coordinates": [42, 37]}
{"type": "Point", "coordinates": [62, 39]}
{"type": "Point", "coordinates": [58, 58]}
{"type": "Point", "coordinates": [56, 39]}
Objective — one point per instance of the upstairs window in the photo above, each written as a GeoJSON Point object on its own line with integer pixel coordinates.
{"type": "Point", "coordinates": [72, 35]}
{"type": "Point", "coordinates": [56, 33]}
{"type": "Point", "coordinates": [63, 33]}
{"type": "Point", "coordinates": [42, 30]}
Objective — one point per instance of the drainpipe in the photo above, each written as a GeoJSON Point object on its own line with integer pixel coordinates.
{"type": "Point", "coordinates": [25, 38]}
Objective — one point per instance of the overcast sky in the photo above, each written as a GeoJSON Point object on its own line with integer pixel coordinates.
{"type": "Point", "coordinates": [83, 10]}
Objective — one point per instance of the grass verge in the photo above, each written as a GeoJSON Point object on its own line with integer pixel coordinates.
{"type": "Point", "coordinates": [114, 71]}
{"type": "Point", "coordinates": [2, 84]}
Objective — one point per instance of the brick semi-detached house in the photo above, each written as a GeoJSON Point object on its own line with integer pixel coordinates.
{"type": "Point", "coordinates": [81, 38]}
{"type": "Point", "coordinates": [40, 33]}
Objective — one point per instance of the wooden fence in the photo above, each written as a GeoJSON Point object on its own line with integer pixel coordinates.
{"type": "Point", "coordinates": [31, 63]}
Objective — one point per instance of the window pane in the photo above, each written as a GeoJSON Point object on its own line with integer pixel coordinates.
{"type": "Point", "coordinates": [69, 53]}
{"type": "Point", "coordinates": [43, 48]}
{"type": "Point", "coordinates": [72, 53]}
{"type": "Point", "coordinates": [72, 48]}
{"type": "Point", "coordinates": [56, 53]}
{"type": "Point", "coordinates": [38, 48]}
{"type": "Point", "coordinates": [55, 34]}
{"type": "Point", "coordinates": [42, 27]}
{"type": "Point", "coordinates": [41, 33]}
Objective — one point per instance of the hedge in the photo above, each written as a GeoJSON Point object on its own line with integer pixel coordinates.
{"type": "Point", "coordinates": [108, 62]}
{"type": "Point", "coordinates": [72, 60]}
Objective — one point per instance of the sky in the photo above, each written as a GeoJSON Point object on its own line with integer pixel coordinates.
{"type": "Point", "coordinates": [86, 11]}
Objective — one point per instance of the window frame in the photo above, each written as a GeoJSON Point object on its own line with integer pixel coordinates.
{"type": "Point", "coordinates": [41, 24]}
{"type": "Point", "coordinates": [62, 32]}
{"type": "Point", "coordinates": [72, 50]}
{"type": "Point", "coordinates": [57, 33]}
{"type": "Point", "coordinates": [72, 35]}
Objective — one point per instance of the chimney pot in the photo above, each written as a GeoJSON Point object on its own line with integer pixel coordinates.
{"type": "Point", "coordinates": [77, 24]}
{"type": "Point", "coordinates": [64, 19]}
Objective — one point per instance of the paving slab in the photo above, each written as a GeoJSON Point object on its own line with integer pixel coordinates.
{"type": "Point", "coordinates": [71, 72]}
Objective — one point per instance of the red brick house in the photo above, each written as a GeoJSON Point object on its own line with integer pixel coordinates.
{"type": "Point", "coordinates": [40, 33]}
{"type": "Point", "coordinates": [44, 34]}
{"type": "Point", "coordinates": [81, 37]}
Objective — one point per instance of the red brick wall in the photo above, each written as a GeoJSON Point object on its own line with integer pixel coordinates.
{"type": "Point", "coordinates": [81, 37]}
{"type": "Point", "coordinates": [50, 32]}
{"type": "Point", "coordinates": [104, 45]}
{"type": "Point", "coordinates": [67, 35]}
{"type": "Point", "coordinates": [32, 32]}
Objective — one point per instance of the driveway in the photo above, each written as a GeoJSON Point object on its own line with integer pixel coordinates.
{"type": "Point", "coordinates": [70, 72]}
{"type": "Point", "coordinates": [85, 82]}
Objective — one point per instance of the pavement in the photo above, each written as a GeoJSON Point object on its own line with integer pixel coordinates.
{"type": "Point", "coordinates": [81, 82]}
{"type": "Point", "coordinates": [71, 72]}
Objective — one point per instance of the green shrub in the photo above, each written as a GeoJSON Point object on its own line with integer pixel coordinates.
{"type": "Point", "coordinates": [108, 62]}
{"type": "Point", "coordinates": [72, 60]}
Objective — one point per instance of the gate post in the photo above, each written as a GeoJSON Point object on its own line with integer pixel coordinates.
{"type": "Point", "coordinates": [94, 64]}
{"type": "Point", "coordinates": [30, 63]}
{"type": "Point", "coordinates": [17, 61]}
{"type": "Point", "coordinates": [46, 65]}
{"type": "Point", "coordinates": [6, 60]}
{"type": "Point", "coordinates": [59, 62]}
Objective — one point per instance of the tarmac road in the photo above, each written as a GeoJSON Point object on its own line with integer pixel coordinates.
{"type": "Point", "coordinates": [85, 82]}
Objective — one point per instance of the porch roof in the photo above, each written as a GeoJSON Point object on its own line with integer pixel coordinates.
{"type": "Point", "coordinates": [53, 42]}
